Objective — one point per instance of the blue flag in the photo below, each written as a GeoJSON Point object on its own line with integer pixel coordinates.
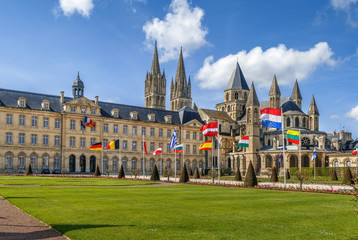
{"type": "Point", "coordinates": [314, 155]}
{"type": "Point", "coordinates": [173, 141]}
{"type": "Point", "coordinates": [83, 126]}
{"type": "Point", "coordinates": [279, 158]}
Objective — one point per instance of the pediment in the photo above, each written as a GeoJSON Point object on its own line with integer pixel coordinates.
{"type": "Point", "coordinates": [82, 102]}
{"type": "Point", "coordinates": [81, 105]}
{"type": "Point", "coordinates": [193, 123]}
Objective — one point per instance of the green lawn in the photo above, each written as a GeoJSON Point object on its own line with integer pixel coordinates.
{"type": "Point", "coordinates": [186, 212]}
{"type": "Point", "coordinates": [293, 179]}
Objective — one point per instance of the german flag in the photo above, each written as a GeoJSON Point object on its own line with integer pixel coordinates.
{"type": "Point", "coordinates": [206, 145]}
{"type": "Point", "coordinates": [96, 147]}
{"type": "Point", "coordinates": [113, 145]}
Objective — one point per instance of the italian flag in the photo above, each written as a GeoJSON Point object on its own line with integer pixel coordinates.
{"type": "Point", "coordinates": [244, 141]}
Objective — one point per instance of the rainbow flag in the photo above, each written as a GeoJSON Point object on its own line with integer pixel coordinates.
{"type": "Point", "coordinates": [206, 145]}
{"type": "Point", "coordinates": [244, 141]}
{"type": "Point", "coordinates": [293, 136]}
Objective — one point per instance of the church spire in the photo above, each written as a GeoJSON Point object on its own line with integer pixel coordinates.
{"type": "Point", "coordinates": [296, 95]}
{"type": "Point", "coordinates": [275, 90]}
{"type": "Point", "coordinates": [155, 63]}
{"type": "Point", "coordinates": [313, 109]}
{"type": "Point", "coordinates": [180, 77]}
{"type": "Point", "coordinates": [252, 99]}
{"type": "Point", "coordinates": [237, 79]}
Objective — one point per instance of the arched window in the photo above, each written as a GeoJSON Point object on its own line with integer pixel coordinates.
{"type": "Point", "coordinates": [223, 109]}
{"type": "Point", "coordinates": [288, 122]}
{"type": "Point", "coordinates": [8, 160]}
{"type": "Point", "coordinates": [134, 164]}
{"type": "Point", "coordinates": [304, 122]}
{"type": "Point", "coordinates": [151, 165]}
{"type": "Point", "coordinates": [227, 96]}
{"type": "Point", "coordinates": [124, 163]}
{"type": "Point", "coordinates": [348, 163]}
{"type": "Point", "coordinates": [115, 163]}
{"type": "Point", "coordinates": [269, 142]}
{"type": "Point", "coordinates": [45, 162]}
{"type": "Point", "coordinates": [297, 122]}
{"type": "Point", "coordinates": [228, 108]}
{"type": "Point", "coordinates": [33, 160]}
{"type": "Point", "coordinates": [56, 164]}
{"type": "Point", "coordinates": [336, 164]}
{"type": "Point", "coordinates": [21, 161]}
{"type": "Point", "coordinates": [169, 164]}
{"type": "Point", "coordinates": [105, 163]}
{"type": "Point", "coordinates": [236, 95]}
{"type": "Point", "coordinates": [268, 162]}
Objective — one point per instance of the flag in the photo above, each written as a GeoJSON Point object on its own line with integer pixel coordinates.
{"type": "Point", "coordinates": [355, 151]}
{"type": "Point", "coordinates": [83, 126]}
{"type": "Point", "coordinates": [244, 141]}
{"type": "Point", "coordinates": [89, 122]}
{"type": "Point", "coordinates": [208, 145]}
{"type": "Point", "coordinates": [178, 148]}
{"type": "Point", "coordinates": [210, 129]}
{"type": "Point", "coordinates": [271, 117]}
{"type": "Point", "coordinates": [145, 147]}
{"type": "Point", "coordinates": [96, 147]}
{"type": "Point", "coordinates": [173, 141]}
{"type": "Point", "coordinates": [293, 136]}
{"type": "Point", "coordinates": [113, 144]}
{"type": "Point", "coordinates": [158, 150]}
{"type": "Point", "coordinates": [279, 158]}
{"type": "Point", "coordinates": [314, 155]}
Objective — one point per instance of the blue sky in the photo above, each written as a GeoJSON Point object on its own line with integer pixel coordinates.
{"type": "Point", "coordinates": [110, 42]}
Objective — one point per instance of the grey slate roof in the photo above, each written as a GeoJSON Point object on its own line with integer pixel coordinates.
{"type": "Point", "coordinates": [313, 109]}
{"type": "Point", "coordinates": [288, 106]}
{"type": "Point", "coordinates": [296, 93]}
{"type": "Point", "coordinates": [275, 89]}
{"type": "Point", "coordinates": [252, 99]}
{"type": "Point", "coordinates": [9, 98]}
{"type": "Point", "coordinates": [237, 79]}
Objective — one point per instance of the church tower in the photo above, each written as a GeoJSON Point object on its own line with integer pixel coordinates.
{"type": "Point", "coordinates": [180, 90]}
{"type": "Point", "coordinates": [253, 127]}
{"type": "Point", "coordinates": [235, 94]}
{"type": "Point", "coordinates": [155, 85]}
{"type": "Point", "coordinates": [296, 95]}
{"type": "Point", "coordinates": [275, 94]}
{"type": "Point", "coordinates": [313, 115]}
{"type": "Point", "coordinates": [77, 87]}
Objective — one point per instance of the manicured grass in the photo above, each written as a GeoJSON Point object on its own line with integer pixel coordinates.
{"type": "Point", "coordinates": [187, 212]}
{"type": "Point", "coordinates": [293, 179]}
{"type": "Point", "coordinates": [67, 181]}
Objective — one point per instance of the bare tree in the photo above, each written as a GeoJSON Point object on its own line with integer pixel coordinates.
{"type": "Point", "coordinates": [302, 175]}
{"type": "Point", "coordinates": [167, 173]}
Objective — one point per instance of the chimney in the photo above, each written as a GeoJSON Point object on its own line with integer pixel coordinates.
{"type": "Point", "coordinates": [96, 99]}
{"type": "Point", "coordinates": [62, 98]}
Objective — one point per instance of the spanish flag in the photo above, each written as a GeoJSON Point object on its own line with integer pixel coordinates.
{"type": "Point", "coordinates": [293, 136]}
{"type": "Point", "coordinates": [96, 147]}
{"type": "Point", "coordinates": [206, 145]}
{"type": "Point", "coordinates": [113, 144]}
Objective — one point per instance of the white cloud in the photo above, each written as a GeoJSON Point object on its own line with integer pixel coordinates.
{"type": "Point", "coordinates": [260, 66]}
{"type": "Point", "coordinates": [350, 8]}
{"type": "Point", "coordinates": [181, 27]}
{"type": "Point", "coordinates": [334, 116]}
{"type": "Point", "coordinates": [69, 7]}
{"type": "Point", "coordinates": [353, 113]}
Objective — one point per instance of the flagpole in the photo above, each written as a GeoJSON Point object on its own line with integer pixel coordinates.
{"type": "Point", "coordinates": [219, 172]}
{"type": "Point", "coordinates": [314, 166]}
{"type": "Point", "coordinates": [299, 145]}
{"type": "Point", "coordinates": [183, 149]}
{"type": "Point", "coordinates": [212, 159]}
{"type": "Point", "coordinates": [143, 158]}
{"type": "Point", "coordinates": [119, 153]}
{"type": "Point", "coordinates": [283, 149]}
{"type": "Point", "coordinates": [102, 155]}
{"type": "Point", "coordinates": [175, 161]}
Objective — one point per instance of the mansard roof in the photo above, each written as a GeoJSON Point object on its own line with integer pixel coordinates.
{"type": "Point", "coordinates": [237, 80]}
{"type": "Point", "coordinates": [9, 98]}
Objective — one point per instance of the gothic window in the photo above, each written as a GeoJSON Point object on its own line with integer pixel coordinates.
{"type": "Point", "coordinates": [297, 122]}
{"type": "Point", "coordinates": [228, 108]}
{"type": "Point", "coordinates": [268, 162]}
{"type": "Point", "coordinates": [227, 96]}
{"type": "Point", "coordinates": [348, 163]}
{"type": "Point", "coordinates": [223, 109]}
{"type": "Point", "coordinates": [236, 95]}
{"type": "Point", "coordinates": [306, 161]}
{"type": "Point", "coordinates": [303, 122]}
{"type": "Point", "coordinates": [268, 142]}
{"type": "Point", "coordinates": [336, 164]}
{"type": "Point", "coordinates": [288, 122]}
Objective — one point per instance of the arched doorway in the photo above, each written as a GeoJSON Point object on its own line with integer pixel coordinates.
{"type": "Point", "coordinates": [83, 163]}
{"type": "Point", "coordinates": [306, 161]}
{"type": "Point", "coordinates": [293, 161]}
{"type": "Point", "coordinates": [92, 163]}
{"type": "Point", "coordinates": [229, 163]}
{"type": "Point", "coordinates": [72, 163]}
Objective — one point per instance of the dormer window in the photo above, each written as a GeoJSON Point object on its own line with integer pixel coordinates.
{"type": "Point", "coordinates": [115, 112]}
{"type": "Point", "coordinates": [151, 117]}
{"type": "Point", "coordinates": [134, 115]}
{"type": "Point", "coordinates": [21, 102]}
{"type": "Point", "coordinates": [73, 109]}
{"type": "Point", "coordinates": [93, 111]}
{"type": "Point", "coordinates": [45, 105]}
{"type": "Point", "coordinates": [168, 118]}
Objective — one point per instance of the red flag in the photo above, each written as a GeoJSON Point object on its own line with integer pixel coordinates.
{"type": "Point", "coordinates": [145, 148]}
{"type": "Point", "coordinates": [158, 150]}
{"type": "Point", "coordinates": [210, 129]}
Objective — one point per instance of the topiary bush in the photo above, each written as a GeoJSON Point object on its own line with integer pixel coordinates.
{"type": "Point", "coordinates": [97, 172]}
{"type": "Point", "coordinates": [155, 174]}
{"type": "Point", "coordinates": [184, 177]}
{"type": "Point", "coordinates": [238, 175]}
{"type": "Point", "coordinates": [250, 178]}
{"type": "Point", "coordinates": [334, 175]}
{"type": "Point", "coordinates": [29, 170]}
{"type": "Point", "coordinates": [196, 174]}
{"type": "Point", "coordinates": [121, 173]}
{"type": "Point", "coordinates": [348, 178]}
{"type": "Point", "coordinates": [274, 177]}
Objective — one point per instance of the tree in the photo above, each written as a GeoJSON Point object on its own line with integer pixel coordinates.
{"type": "Point", "coordinates": [302, 175]}
{"type": "Point", "coordinates": [250, 178]}
{"type": "Point", "coordinates": [238, 175]}
{"type": "Point", "coordinates": [196, 174]}
{"type": "Point", "coordinates": [155, 174]}
{"type": "Point", "coordinates": [108, 171]}
{"type": "Point", "coordinates": [135, 172]}
{"type": "Point", "coordinates": [213, 174]}
{"type": "Point", "coordinates": [97, 172]}
{"type": "Point", "coordinates": [184, 177]}
{"type": "Point", "coordinates": [121, 173]}
{"type": "Point", "coordinates": [348, 178]}
{"type": "Point", "coordinates": [334, 175]}
{"type": "Point", "coordinates": [167, 173]}
{"type": "Point", "coordinates": [274, 177]}
{"type": "Point", "coordinates": [29, 170]}
{"type": "Point", "coordinates": [288, 176]}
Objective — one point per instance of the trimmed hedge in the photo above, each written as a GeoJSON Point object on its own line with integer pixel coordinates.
{"type": "Point", "coordinates": [250, 178]}
{"type": "Point", "coordinates": [322, 171]}
{"type": "Point", "coordinates": [121, 173]}
{"type": "Point", "coordinates": [155, 174]}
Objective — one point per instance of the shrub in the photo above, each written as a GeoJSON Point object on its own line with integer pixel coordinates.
{"type": "Point", "coordinates": [135, 172]}
{"type": "Point", "coordinates": [167, 173]}
{"type": "Point", "coordinates": [121, 173]}
{"type": "Point", "coordinates": [184, 175]}
{"type": "Point", "coordinates": [226, 172]}
{"type": "Point", "coordinates": [97, 173]}
{"type": "Point", "coordinates": [302, 175]}
{"type": "Point", "coordinates": [348, 178]}
{"type": "Point", "coordinates": [29, 170]}
{"type": "Point", "coordinates": [288, 176]}
{"type": "Point", "coordinates": [196, 174]}
{"type": "Point", "coordinates": [155, 174]}
{"type": "Point", "coordinates": [238, 175]}
{"type": "Point", "coordinates": [250, 179]}
{"type": "Point", "coordinates": [334, 175]}
{"type": "Point", "coordinates": [274, 177]}
{"type": "Point", "coordinates": [190, 172]}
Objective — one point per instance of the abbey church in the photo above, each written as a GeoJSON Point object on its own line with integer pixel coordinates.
{"type": "Point", "coordinates": [46, 131]}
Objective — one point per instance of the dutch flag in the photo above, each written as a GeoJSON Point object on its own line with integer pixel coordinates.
{"type": "Point", "coordinates": [271, 117]}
